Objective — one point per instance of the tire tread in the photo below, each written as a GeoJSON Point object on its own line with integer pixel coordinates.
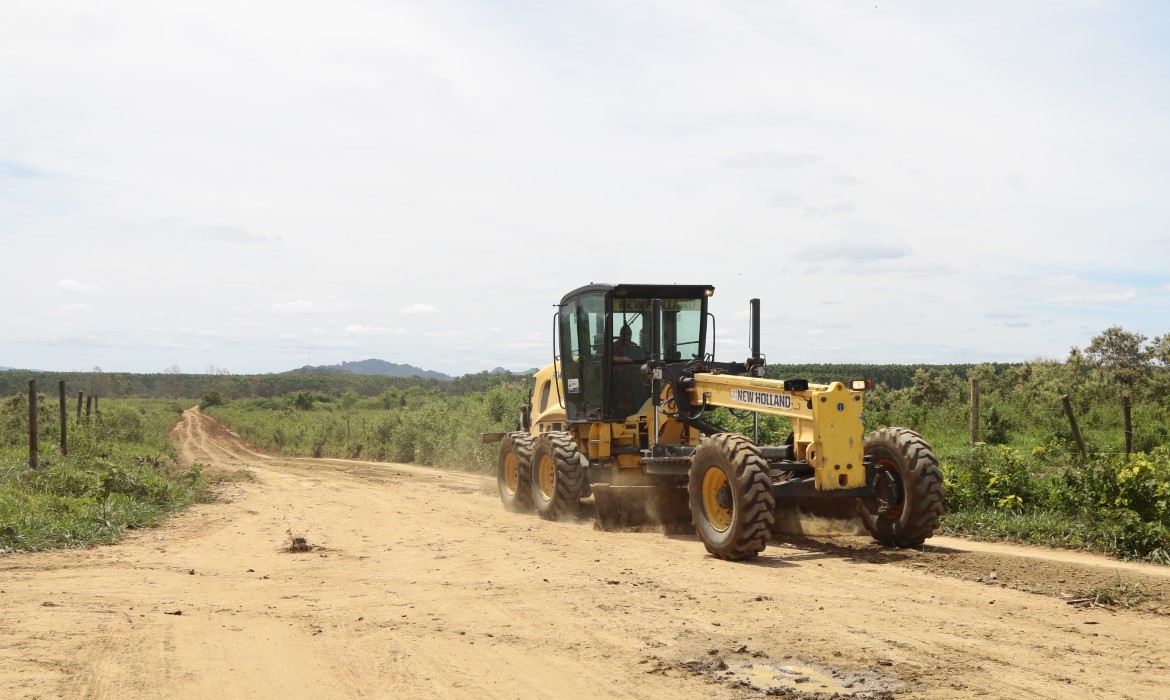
{"type": "Point", "coordinates": [751, 478]}
{"type": "Point", "coordinates": [923, 490]}
{"type": "Point", "coordinates": [520, 443]}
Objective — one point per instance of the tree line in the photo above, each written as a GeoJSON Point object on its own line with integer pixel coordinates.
{"type": "Point", "coordinates": [173, 385]}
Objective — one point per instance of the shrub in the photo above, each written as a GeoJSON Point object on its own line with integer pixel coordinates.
{"type": "Point", "coordinates": [211, 397]}
{"type": "Point", "coordinates": [989, 476]}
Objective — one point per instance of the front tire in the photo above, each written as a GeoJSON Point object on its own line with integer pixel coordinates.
{"type": "Point", "coordinates": [731, 498]}
{"type": "Point", "coordinates": [514, 472]}
{"type": "Point", "coordinates": [558, 476]}
{"type": "Point", "coordinates": [909, 485]}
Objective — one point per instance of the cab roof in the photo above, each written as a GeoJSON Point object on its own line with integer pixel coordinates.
{"type": "Point", "coordinates": [644, 291]}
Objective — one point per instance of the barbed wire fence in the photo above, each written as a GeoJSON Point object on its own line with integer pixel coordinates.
{"type": "Point", "coordinates": [1147, 413]}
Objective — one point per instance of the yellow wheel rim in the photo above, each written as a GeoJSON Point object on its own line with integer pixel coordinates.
{"type": "Point", "coordinates": [715, 486]}
{"type": "Point", "coordinates": [511, 474]}
{"type": "Point", "coordinates": [548, 478]}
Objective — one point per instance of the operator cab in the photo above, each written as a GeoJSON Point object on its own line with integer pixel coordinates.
{"type": "Point", "coordinates": [604, 340]}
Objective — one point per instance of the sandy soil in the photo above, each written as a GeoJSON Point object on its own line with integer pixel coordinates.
{"type": "Point", "coordinates": [417, 584]}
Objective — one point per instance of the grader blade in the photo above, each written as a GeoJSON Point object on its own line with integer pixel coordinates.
{"type": "Point", "coordinates": [642, 507]}
{"type": "Point", "coordinates": [817, 517]}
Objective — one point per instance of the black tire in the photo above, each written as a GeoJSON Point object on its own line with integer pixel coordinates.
{"type": "Point", "coordinates": [514, 472]}
{"type": "Point", "coordinates": [558, 476]}
{"type": "Point", "coordinates": [731, 499]}
{"type": "Point", "coordinates": [902, 456]}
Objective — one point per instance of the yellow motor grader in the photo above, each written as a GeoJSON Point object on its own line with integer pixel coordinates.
{"type": "Point", "coordinates": [619, 416]}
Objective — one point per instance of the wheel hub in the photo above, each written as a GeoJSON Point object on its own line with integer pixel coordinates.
{"type": "Point", "coordinates": [548, 478]}
{"type": "Point", "coordinates": [889, 493]}
{"type": "Point", "coordinates": [718, 504]}
{"type": "Point", "coordinates": [511, 474]}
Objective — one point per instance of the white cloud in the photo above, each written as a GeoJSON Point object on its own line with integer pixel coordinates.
{"type": "Point", "coordinates": [453, 334]}
{"type": "Point", "coordinates": [374, 330]}
{"type": "Point", "coordinates": [859, 251]}
{"type": "Point", "coordinates": [419, 308]}
{"type": "Point", "coordinates": [231, 234]}
{"type": "Point", "coordinates": [770, 160]}
{"type": "Point", "coordinates": [1008, 319]}
{"type": "Point", "coordinates": [302, 307]}
{"type": "Point", "coordinates": [75, 308]}
{"type": "Point", "coordinates": [786, 201]}
{"type": "Point", "coordinates": [245, 308]}
{"type": "Point", "coordinates": [1070, 288]}
{"type": "Point", "coordinates": [71, 285]}
{"type": "Point", "coordinates": [293, 341]}
{"type": "Point", "coordinates": [835, 209]}
{"type": "Point", "coordinates": [206, 333]}
{"type": "Point", "coordinates": [845, 180]}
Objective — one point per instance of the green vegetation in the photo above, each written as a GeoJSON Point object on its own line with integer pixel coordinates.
{"type": "Point", "coordinates": [175, 385]}
{"type": "Point", "coordinates": [120, 473]}
{"type": "Point", "coordinates": [419, 425]}
{"type": "Point", "coordinates": [1026, 480]}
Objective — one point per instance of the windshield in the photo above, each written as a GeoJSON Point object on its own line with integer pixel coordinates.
{"type": "Point", "coordinates": [682, 324]}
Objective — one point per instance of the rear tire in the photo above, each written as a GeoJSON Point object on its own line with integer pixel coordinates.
{"type": "Point", "coordinates": [558, 476]}
{"type": "Point", "coordinates": [514, 472]}
{"type": "Point", "coordinates": [731, 498]}
{"type": "Point", "coordinates": [910, 462]}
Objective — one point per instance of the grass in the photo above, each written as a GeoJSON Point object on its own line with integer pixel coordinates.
{"type": "Point", "coordinates": [429, 429]}
{"type": "Point", "coordinates": [1047, 528]}
{"type": "Point", "coordinates": [1122, 594]}
{"type": "Point", "coordinates": [120, 473]}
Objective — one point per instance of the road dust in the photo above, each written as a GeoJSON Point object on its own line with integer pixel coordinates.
{"type": "Point", "coordinates": [817, 517]}
{"type": "Point", "coordinates": [800, 523]}
{"type": "Point", "coordinates": [420, 585]}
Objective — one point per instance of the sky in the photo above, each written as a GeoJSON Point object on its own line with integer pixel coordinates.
{"type": "Point", "coordinates": [253, 187]}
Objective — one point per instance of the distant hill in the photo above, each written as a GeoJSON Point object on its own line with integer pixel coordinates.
{"type": "Point", "coordinates": [372, 366]}
{"type": "Point", "coordinates": [522, 373]}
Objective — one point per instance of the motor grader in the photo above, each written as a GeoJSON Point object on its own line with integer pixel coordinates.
{"type": "Point", "coordinates": [623, 421]}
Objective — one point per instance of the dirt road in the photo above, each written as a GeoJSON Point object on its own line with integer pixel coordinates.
{"type": "Point", "coordinates": [417, 584]}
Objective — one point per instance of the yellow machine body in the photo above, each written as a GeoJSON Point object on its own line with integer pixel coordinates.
{"type": "Point", "coordinates": [827, 428]}
{"type": "Point", "coordinates": [618, 416]}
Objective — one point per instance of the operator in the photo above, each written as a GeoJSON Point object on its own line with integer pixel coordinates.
{"type": "Point", "coordinates": [625, 350]}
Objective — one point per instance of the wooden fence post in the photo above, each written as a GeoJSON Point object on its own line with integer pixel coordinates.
{"type": "Point", "coordinates": [79, 395]}
{"type": "Point", "coordinates": [1126, 409]}
{"type": "Point", "coordinates": [64, 418]}
{"type": "Point", "coordinates": [1072, 420]}
{"type": "Point", "coordinates": [33, 446]}
{"type": "Point", "coordinates": [88, 403]}
{"type": "Point", "coordinates": [974, 411]}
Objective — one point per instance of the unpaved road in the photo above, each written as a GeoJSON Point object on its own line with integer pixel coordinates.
{"type": "Point", "coordinates": [419, 585]}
